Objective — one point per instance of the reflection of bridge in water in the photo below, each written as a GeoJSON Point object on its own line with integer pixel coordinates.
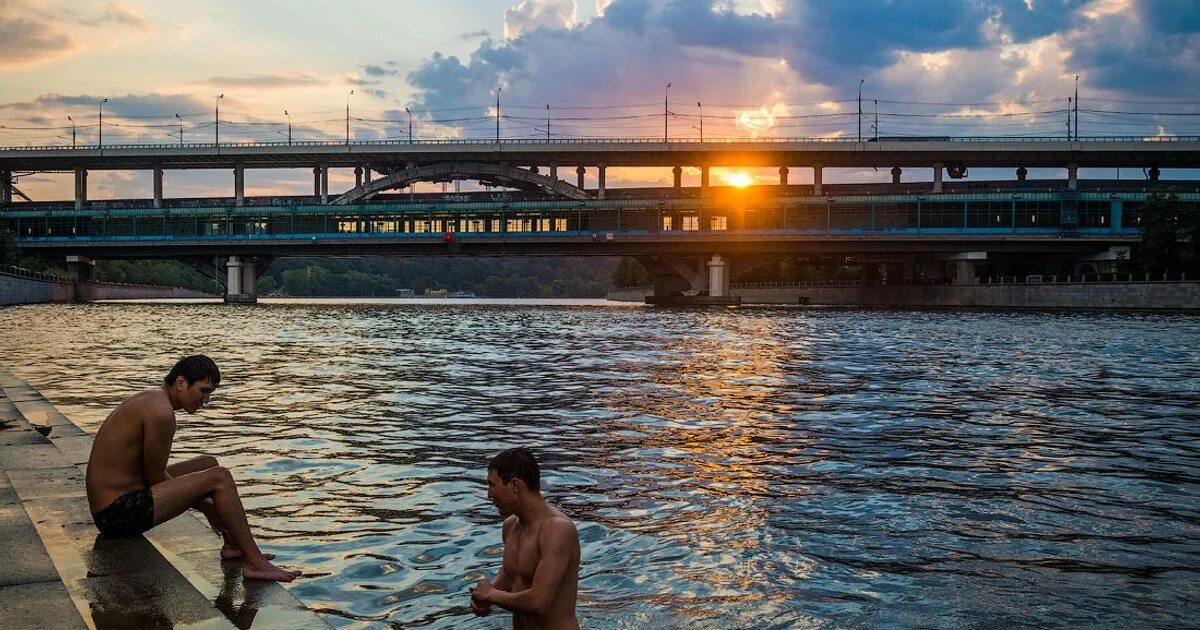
{"type": "Point", "coordinates": [688, 237]}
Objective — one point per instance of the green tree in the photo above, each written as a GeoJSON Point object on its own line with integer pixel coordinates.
{"type": "Point", "coordinates": [1159, 249]}
{"type": "Point", "coordinates": [9, 254]}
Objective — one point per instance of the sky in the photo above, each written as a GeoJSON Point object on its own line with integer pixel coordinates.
{"type": "Point", "coordinates": [739, 68]}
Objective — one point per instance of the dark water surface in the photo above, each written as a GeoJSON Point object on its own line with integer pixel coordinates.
{"type": "Point", "coordinates": [752, 467]}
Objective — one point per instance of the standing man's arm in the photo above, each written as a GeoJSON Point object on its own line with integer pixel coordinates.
{"type": "Point", "coordinates": [158, 430]}
{"type": "Point", "coordinates": [557, 549]}
{"type": "Point", "coordinates": [502, 581]}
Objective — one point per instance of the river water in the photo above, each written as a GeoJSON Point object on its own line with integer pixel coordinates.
{"type": "Point", "coordinates": [750, 467]}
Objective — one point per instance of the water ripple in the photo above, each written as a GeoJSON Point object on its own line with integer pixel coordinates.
{"type": "Point", "coordinates": [752, 467]}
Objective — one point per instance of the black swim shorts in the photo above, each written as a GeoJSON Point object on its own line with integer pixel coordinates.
{"type": "Point", "coordinates": [129, 515]}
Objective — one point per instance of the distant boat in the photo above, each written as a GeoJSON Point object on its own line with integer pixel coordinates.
{"type": "Point", "coordinates": [463, 294]}
{"type": "Point", "coordinates": [405, 293]}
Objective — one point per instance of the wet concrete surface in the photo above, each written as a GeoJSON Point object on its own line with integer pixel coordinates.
{"type": "Point", "coordinates": [57, 571]}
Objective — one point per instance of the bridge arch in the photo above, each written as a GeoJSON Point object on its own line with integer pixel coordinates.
{"type": "Point", "coordinates": [445, 171]}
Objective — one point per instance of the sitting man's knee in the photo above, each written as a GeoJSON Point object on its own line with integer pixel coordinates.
{"type": "Point", "coordinates": [208, 461]}
{"type": "Point", "coordinates": [220, 475]}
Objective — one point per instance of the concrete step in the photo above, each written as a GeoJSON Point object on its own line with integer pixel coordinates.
{"type": "Point", "coordinates": [171, 576]}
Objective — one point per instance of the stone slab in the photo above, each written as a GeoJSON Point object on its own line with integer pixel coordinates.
{"type": "Point", "coordinates": [65, 430]}
{"type": "Point", "coordinates": [144, 601]}
{"type": "Point", "coordinates": [14, 434]}
{"type": "Point", "coordinates": [41, 483]}
{"type": "Point", "coordinates": [23, 558]}
{"type": "Point", "coordinates": [75, 449]}
{"type": "Point", "coordinates": [41, 413]}
{"type": "Point", "coordinates": [8, 496]}
{"type": "Point", "coordinates": [266, 605]}
{"type": "Point", "coordinates": [39, 605]}
{"type": "Point", "coordinates": [31, 456]}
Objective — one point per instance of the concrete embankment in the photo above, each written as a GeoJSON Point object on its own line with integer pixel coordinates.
{"type": "Point", "coordinates": [1107, 295]}
{"type": "Point", "coordinates": [25, 287]}
{"type": "Point", "coordinates": [57, 572]}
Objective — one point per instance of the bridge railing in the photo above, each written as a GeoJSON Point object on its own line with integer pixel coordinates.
{"type": "Point", "coordinates": [576, 141]}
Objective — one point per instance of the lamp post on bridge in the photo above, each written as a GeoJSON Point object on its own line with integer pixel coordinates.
{"type": "Point", "coordinates": [217, 120]}
{"type": "Point", "coordinates": [860, 84]}
{"type": "Point", "coordinates": [701, 120]}
{"type": "Point", "coordinates": [547, 122]}
{"type": "Point", "coordinates": [409, 112]}
{"type": "Point", "coordinates": [289, 117]}
{"type": "Point", "coordinates": [666, 100]}
{"type": "Point", "coordinates": [180, 129]}
{"type": "Point", "coordinates": [348, 117]}
{"type": "Point", "coordinates": [101, 143]}
{"type": "Point", "coordinates": [72, 131]}
{"type": "Point", "coordinates": [499, 88]}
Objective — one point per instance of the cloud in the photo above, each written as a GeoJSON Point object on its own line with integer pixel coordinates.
{"type": "Point", "coordinates": [116, 13]}
{"type": "Point", "coordinates": [265, 81]}
{"type": "Point", "coordinates": [379, 71]}
{"type": "Point", "coordinates": [480, 34]}
{"type": "Point", "coordinates": [534, 14]}
{"type": "Point", "coordinates": [25, 42]}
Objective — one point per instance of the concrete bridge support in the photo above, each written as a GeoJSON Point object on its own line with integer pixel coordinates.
{"type": "Point", "coordinates": [817, 180]}
{"type": "Point", "coordinates": [896, 171]}
{"type": "Point", "coordinates": [718, 277]}
{"type": "Point", "coordinates": [703, 181]}
{"type": "Point", "coordinates": [579, 172]}
{"type": "Point", "coordinates": [158, 187]}
{"type": "Point", "coordinates": [937, 177]}
{"type": "Point", "coordinates": [324, 184]}
{"type": "Point", "coordinates": [366, 174]}
{"type": "Point", "coordinates": [783, 175]}
{"type": "Point", "coordinates": [80, 188]}
{"type": "Point", "coordinates": [240, 276]}
{"type": "Point", "coordinates": [81, 270]}
{"type": "Point", "coordinates": [966, 266]}
{"type": "Point", "coordinates": [678, 173]}
{"type": "Point", "coordinates": [239, 186]}
{"type": "Point", "coordinates": [600, 181]}
{"type": "Point", "coordinates": [1072, 177]}
{"type": "Point", "coordinates": [1022, 173]}
{"type": "Point", "coordinates": [554, 172]}
{"type": "Point", "coordinates": [358, 174]}
{"type": "Point", "coordinates": [6, 188]}
{"type": "Point", "coordinates": [316, 181]}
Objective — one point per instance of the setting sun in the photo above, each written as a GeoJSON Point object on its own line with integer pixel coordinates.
{"type": "Point", "coordinates": [739, 180]}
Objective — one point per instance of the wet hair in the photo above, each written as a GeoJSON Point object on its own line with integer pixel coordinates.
{"type": "Point", "coordinates": [194, 368]}
{"type": "Point", "coordinates": [520, 463]}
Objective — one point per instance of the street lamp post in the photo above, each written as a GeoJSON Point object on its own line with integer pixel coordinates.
{"type": "Point", "coordinates": [860, 84]}
{"type": "Point", "coordinates": [102, 122]}
{"type": "Point", "coordinates": [180, 129]}
{"type": "Point", "coordinates": [289, 117]}
{"type": "Point", "coordinates": [217, 120]}
{"type": "Point", "coordinates": [409, 112]}
{"type": "Point", "coordinates": [666, 99]}
{"type": "Point", "coordinates": [701, 120]}
{"type": "Point", "coordinates": [72, 131]}
{"type": "Point", "coordinates": [499, 88]}
{"type": "Point", "coordinates": [547, 122]}
{"type": "Point", "coordinates": [348, 117]}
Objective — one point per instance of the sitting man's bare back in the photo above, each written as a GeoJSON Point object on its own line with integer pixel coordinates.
{"type": "Point", "coordinates": [131, 488]}
{"type": "Point", "coordinates": [539, 578]}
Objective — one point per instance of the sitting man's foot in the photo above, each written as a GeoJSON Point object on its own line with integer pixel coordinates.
{"type": "Point", "coordinates": [267, 571]}
{"type": "Point", "coordinates": [233, 552]}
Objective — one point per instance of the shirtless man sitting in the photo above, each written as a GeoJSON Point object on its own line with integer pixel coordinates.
{"type": "Point", "coordinates": [130, 487]}
{"type": "Point", "coordinates": [539, 577]}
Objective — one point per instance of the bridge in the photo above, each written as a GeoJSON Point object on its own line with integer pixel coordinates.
{"type": "Point", "coordinates": [687, 236]}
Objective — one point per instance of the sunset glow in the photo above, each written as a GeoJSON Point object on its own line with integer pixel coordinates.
{"type": "Point", "coordinates": [738, 179]}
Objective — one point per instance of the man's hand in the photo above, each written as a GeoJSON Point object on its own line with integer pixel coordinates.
{"type": "Point", "coordinates": [479, 604]}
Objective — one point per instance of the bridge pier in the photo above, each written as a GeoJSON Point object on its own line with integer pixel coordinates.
{"type": "Point", "coordinates": [937, 177]}
{"type": "Point", "coordinates": [783, 176]}
{"type": "Point", "coordinates": [966, 265]}
{"type": "Point", "coordinates": [1072, 177]}
{"type": "Point", "coordinates": [1022, 173]}
{"type": "Point", "coordinates": [896, 171]}
{"type": "Point", "coordinates": [703, 181]}
{"type": "Point", "coordinates": [718, 277]}
{"type": "Point", "coordinates": [158, 187]}
{"type": "Point", "coordinates": [80, 188]}
{"type": "Point", "coordinates": [579, 171]}
{"type": "Point", "coordinates": [600, 170]}
{"type": "Point", "coordinates": [316, 181]}
{"type": "Point", "coordinates": [324, 184]}
{"type": "Point", "coordinates": [554, 171]}
{"type": "Point", "coordinates": [240, 276]}
{"type": "Point", "coordinates": [678, 173]}
{"type": "Point", "coordinates": [366, 174]}
{"type": "Point", "coordinates": [239, 186]}
{"type": "Point", "coordinates": [6, 188]}
{"type": "Point", "coordinates": [358, 174]}
{"type": "Point", "coordinates": [817, 180]}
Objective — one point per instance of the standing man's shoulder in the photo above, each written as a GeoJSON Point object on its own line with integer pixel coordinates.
{"type": "Point", "coordinates": [510, 524]}
{"type": "Point", "coordinates": [560, 530]}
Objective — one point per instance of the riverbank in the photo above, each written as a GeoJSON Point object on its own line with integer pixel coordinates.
{"type": "Point", "coordinates": [20, 286]}
{"type": "Point", "coordinates": [1140, 295]}
{"type": "Point", "coordinates": [57, 572]}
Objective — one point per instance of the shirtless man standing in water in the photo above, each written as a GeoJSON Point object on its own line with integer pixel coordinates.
{"type": "Point", "coordinates": [539, 578]}
{"type": "Point", "coordinates": [131, 488]}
